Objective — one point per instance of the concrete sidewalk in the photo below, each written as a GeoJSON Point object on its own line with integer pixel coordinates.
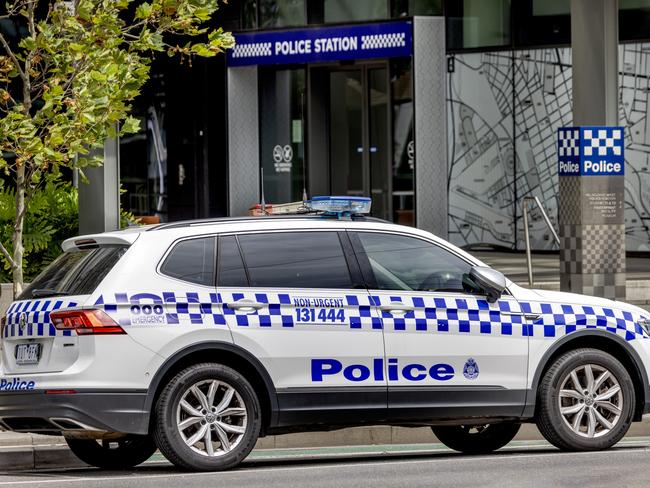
{"type": "Point", "coordinates": [29, 451]}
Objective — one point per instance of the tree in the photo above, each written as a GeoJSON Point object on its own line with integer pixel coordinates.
{"type": "Point", "coordinates": [66, 83]}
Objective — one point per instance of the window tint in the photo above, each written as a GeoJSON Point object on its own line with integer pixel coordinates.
{"type": "Point", "coordinates": [295, 260]}
{"type": "Point", "coordinates": [192, 260]}
{"type": "Point", "coordinates": [74, 273]}
{"type": "Point", "coordinates": [407, 263]}
{"type": "Point", "coordinates": [230, 267]}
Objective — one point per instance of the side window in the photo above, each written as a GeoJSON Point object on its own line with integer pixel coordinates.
{"type": "Point", "coordinates": [192, 260]}
{"type": "Point", "coordinates": [230, 267]}
{"type": "Point", "coordinates": [410, 264]}
{"type": "Point", "coordinates": [295, 260]}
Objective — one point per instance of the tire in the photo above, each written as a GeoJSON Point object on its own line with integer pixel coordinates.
{"type": "Point", "coordinates": [476, 439]}
{"type": "Point", "coordinates": [584, 430]}
{"type": "Point", "coordinates": [123, 453]}
{"type": "Point", "coordinates": [183, 421]}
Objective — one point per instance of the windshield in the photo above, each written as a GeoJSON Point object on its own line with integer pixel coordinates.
{"type": "Point", "coordinates": [74, 273]}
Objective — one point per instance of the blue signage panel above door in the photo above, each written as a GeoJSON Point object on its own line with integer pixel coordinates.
{"type": "Point", "coordinates": [321, 44]}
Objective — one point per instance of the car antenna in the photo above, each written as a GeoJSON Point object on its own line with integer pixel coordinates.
{"type": "Point", "coordinates": [262, 202]}
{"type": "Point", "coordinates": [302, 134]}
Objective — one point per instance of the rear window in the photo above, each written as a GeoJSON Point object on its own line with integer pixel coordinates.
{"type": "Point", "coordinates": [74, 273]}
{"type": "Point", "coordinates": [192, 260]}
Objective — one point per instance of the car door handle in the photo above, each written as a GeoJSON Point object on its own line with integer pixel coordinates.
{"type": "Point", "coordinates": [245, 305]}
{"type": "Point", "coordinates": [396, 309]}
{"type": "Point", "coordinates": [528, 316]}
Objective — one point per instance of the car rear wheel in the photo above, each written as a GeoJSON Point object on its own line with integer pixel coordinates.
{"type": "Point", "coordinates": [476, 439]}
{"type": "Point", "coordinates": [585, 401]}
{"type": "Point", "coordinates": [124, 453]}
{"type": "Point", "coordinates": [208, 418]}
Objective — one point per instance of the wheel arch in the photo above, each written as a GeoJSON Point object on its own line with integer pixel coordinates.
{"type": "Point", "coordinates": [603, 341]}
{"type": "Point", "coordinates": [223, 353]}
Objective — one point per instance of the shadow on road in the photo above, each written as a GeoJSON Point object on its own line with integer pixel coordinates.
{"type": "Point", "coordinates": [163, 468]}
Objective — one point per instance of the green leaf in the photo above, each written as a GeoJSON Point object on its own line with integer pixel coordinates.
{"type": "Point", "coordinates": [131, 125]}
{"type": "Point", "coordinates": [143, 11]}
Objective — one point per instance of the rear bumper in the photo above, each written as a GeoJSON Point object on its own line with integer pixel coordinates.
{"type": "Point", "coordinates": [107, 411]}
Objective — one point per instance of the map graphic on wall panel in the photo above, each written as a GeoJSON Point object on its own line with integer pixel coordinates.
{"type": "Point", "coordinates": [487, 183]}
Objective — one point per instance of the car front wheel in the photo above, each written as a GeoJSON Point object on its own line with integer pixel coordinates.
{"type": "Point", "coordinates": [476, 439]}
{"type": "Point", "coordinates": [207, 418]}
{"type": "Point", "coordinates": [585, 401]}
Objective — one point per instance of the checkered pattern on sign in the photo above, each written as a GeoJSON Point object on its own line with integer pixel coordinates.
{"type": "Point", "coordinates": [252, 50]}
{"type": "Point", "coordinates": [603, 248]}
{"type": "Point", "coordinates": [603, 142]}
{"type": "Point", "coordinates": [36, 319]}
{"type": "Point", "coordinates": [383, 41]}
{"type": "Point", "coordinates": [569, 142]}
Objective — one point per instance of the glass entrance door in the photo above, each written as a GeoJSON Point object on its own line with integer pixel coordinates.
{"type": "Point", "coordinates": [360, 137]}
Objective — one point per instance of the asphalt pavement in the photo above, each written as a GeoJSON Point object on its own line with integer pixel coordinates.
{"type": "Point", "coordinates": [522, 465]}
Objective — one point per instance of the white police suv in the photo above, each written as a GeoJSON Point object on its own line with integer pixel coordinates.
{"type": "Point", "coordinates": [199, 337]}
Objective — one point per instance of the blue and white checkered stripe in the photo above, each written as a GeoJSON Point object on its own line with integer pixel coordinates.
{"type": "Point", "coordinates": [212, 309]}
{"type": "Point", "coordinates": [453, 315]}
{"type": "Point", "coordinates": [450, 315]}
{"type": "Point", "coordinates": [37, 318]}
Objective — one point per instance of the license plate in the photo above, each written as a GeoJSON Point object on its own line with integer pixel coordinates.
{"type": "Point", "coordinates": [28, 353]}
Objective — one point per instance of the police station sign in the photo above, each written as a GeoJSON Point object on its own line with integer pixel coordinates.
{"type": "Point", "coordinates": [319, 44]}
{"type": "Point", "coordinates": [591, 151]}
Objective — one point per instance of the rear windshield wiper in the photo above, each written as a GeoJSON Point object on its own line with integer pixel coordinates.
{"type": "Point", "coordinates": [47, 292]}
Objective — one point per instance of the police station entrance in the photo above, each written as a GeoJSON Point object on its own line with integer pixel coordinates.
{"type": "Point", "coordinates": [340, 120]}
{"type": "Point", "coordinates": [358, 122]}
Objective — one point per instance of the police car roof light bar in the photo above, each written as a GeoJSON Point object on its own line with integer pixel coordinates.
{"type": "Point", "coordinates": [342, 207]}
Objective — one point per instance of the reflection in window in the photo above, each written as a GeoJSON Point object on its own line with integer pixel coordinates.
{"type": "Point", "coordinates": [282, 100]}
{"type": "Point", "coordinates": [410, 264]}
{"type": "Point", "coordinates": [403, 160]}
{"type": "Point", "coordinates": [192, 260]}
{"type": "Point", "coordinates": [358, 10]}
{"type": "Point", "coordinates": [295, 260]}
{"type": "Point", "coordinates": [408, 8]}
{"type": "Point", "coordinates": [282, 13]}
{"type": "Point", "coordinates": [552, 7]}
{"type": "Point", "coordinates": [249, 14]}
{"type": "Point", "coordinates": [143, 156]}
{"type": "Point", "coordinates": [230, 266]}
{"type": "Point", "coordinates": [477, 23]}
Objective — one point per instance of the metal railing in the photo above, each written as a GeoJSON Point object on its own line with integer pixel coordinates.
{"type": "Point", "coordinates": [525, 204]}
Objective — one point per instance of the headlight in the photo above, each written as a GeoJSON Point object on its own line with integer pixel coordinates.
{"type": "Point", "coordinates": [645, 325]}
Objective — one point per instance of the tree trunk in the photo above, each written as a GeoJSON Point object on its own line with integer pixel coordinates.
{"type": "Point", "coordinates": [17, 238]}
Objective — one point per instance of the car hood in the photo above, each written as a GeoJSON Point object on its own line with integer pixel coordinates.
{"type": "Point", "coordinates": [548, 296]}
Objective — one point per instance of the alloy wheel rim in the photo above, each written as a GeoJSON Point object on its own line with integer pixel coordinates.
{"type": "Point", "coordinates": [211, 418]}
{"type": "Point", "coordinates": [591, 401]}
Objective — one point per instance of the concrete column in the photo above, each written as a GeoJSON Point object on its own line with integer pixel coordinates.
{"type": "Point", "coordinates": [243, 140]}
{"type": "Point", "coordinates": [591, 208]}
{"type": "Point", "coordinates": [431, 167]}
{"type": "Point", "coordinates": [99, 199]}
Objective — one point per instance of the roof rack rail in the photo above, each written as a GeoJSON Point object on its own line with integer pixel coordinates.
{"type": "Point", "coordinates": [225, 220]}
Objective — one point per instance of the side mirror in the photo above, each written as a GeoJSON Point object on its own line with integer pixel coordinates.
{"type": "Point", "coordinates": [490, 280]}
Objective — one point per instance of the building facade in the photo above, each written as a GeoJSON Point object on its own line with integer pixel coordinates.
{"type": "Point", "coordinates": [447, 117]}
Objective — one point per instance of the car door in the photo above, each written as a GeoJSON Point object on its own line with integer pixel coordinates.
{"type": "Point", "coordinates": [296, 301]}
{"type": "Point", "coordinates": [449, 352]}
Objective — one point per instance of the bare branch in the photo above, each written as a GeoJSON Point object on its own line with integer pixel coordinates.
{"type": "Point", "coordinates": [30, 18]}
{"type": "Point", "coordinates": [7, 256]}
{"type": "Point", "coordinates": [11, 54]}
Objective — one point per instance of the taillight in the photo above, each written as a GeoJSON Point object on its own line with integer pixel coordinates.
{"type": "Point", "coordinates": [85, 322]}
